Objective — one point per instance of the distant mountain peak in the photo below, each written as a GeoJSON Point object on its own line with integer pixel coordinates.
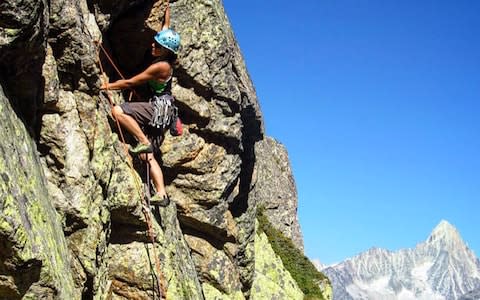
{"type": "Point", "coordinates": [318, 264]}
{"type": "Point", "coordinates": [445, 233]}
{"type": "Point", "coordinates": [445, 227]}
{"type": "Point", "coordinates": [443, 267]}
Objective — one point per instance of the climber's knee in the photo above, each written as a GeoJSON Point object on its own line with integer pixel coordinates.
{"type": "Point", "coordinates": [117, 111]}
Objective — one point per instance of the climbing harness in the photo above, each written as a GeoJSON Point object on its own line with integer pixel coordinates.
{"type": "Point", "coordinates": [164, 111]}
{"type": "Point", "coordinates": [142, 192]}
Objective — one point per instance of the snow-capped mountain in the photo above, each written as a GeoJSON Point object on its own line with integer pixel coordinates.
{"type": "Point", "coordinates": [441, 268]}
{"type": "Point", "coordinates": [318, 264]}
{"type": "Point", "coordinates": [472, 295]}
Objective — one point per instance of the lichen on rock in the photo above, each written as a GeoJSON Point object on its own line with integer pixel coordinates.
{"type": "Point", "coordinates": [73, 220]}
{"type": "Point", "coordinates": [272, 280]}
{"type": "Point", "coordinates": [34, 260]}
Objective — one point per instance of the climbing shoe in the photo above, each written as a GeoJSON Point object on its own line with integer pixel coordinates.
{"type": "Point", "coordinates": [141, 148]}
{"type": "Point", "coordinates": [160, 200]}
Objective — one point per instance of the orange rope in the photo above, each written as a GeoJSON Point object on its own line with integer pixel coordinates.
{"type": "Point", "coordinates": [110, 60]}
{"type": "Point", "coordinates": [116, 69]}
{"type": "Point", "coordinates": [160, 278]}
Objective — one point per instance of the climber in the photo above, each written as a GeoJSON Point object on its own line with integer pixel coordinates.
{"type": "Point", "coordinates": [159, 113]}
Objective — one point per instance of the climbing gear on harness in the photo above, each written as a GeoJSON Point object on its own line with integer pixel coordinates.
{"type": "Point", "coordinates": [141, 148]}
{"type": "Point", "coordinates": [162, 201]}
{"type": "Point", "coordinates": [168, 39]}
{"type": "Point", "coordinates": [164, 111]}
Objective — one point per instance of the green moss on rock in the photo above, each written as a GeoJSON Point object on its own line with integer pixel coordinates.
{"type": "Point", "coordinates": [308, 278]}
{"type": "Point", "coordinates": [272, 280]}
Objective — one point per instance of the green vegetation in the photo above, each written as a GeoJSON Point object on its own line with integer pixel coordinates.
{"type": "Point", "coordinates": [299, 266]}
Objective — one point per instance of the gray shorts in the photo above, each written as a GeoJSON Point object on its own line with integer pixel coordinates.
{"type": "Point", "coordinates": [142, 112]}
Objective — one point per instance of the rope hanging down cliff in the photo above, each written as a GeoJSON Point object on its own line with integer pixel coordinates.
{"type": "Point", "coordinates": [148, 120]}
{"type": "Point", "coordinates": [158, 113]}
{"type": "Point", "coordinates": [145, 207]}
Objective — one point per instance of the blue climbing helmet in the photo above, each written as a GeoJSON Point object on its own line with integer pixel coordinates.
{"type": "Point", "coordinates": [168, 39]}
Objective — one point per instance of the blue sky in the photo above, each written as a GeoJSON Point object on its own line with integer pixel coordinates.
{"type": "Point", "coordinates": [378, 105]}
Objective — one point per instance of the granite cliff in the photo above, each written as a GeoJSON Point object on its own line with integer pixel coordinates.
{"type": "Point", "coordinates": [72, 220]}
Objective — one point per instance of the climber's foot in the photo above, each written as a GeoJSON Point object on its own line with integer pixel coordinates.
{"type": "Point", "coordinates": [141, 148]}
{"type": "Point", "coordinates": [159, 200]}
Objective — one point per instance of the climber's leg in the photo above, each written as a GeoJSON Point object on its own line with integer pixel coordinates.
{"type": "Point", "coordinates": [130, 124]}
{"type": "Point", "coordinates": [157, 175]}
{"type": "Point", "coordinates": [161, 198]}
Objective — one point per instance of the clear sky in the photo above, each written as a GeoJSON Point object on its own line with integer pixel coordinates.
{"type": "Point", "coordinates": [378, 105]}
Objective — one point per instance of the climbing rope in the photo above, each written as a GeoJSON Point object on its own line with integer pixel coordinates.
{"type": "Point", "coordinates": [146, 203]}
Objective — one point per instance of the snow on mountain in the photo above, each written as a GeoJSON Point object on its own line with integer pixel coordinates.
{"type": "Point", "coordinates": [441, 268]}
{"type": "Point", "coordinates": [472, 295]}
{"type": "Point", "coordinates": [318, 264]}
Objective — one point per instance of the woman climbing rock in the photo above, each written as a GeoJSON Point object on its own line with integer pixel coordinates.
{"type": "Point", "coordinates": [148, 120]}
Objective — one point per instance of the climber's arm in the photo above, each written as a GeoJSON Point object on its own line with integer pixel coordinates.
{"type": "Point", "coordinates": [155, 71]}
{"type": "Point", "coordinates": [166, 19]}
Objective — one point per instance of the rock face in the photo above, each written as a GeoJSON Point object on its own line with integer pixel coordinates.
{"type": "Point", "coordinates": [72, 220]}
{"type": "Point", "coordinates": [275, 188]}
{"type": "Point", "coordinates": [34, 256]}
{"type": "Point", "coordinates": [440, 268]}
{"type": "Point", "coordinates": [271, 281]}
